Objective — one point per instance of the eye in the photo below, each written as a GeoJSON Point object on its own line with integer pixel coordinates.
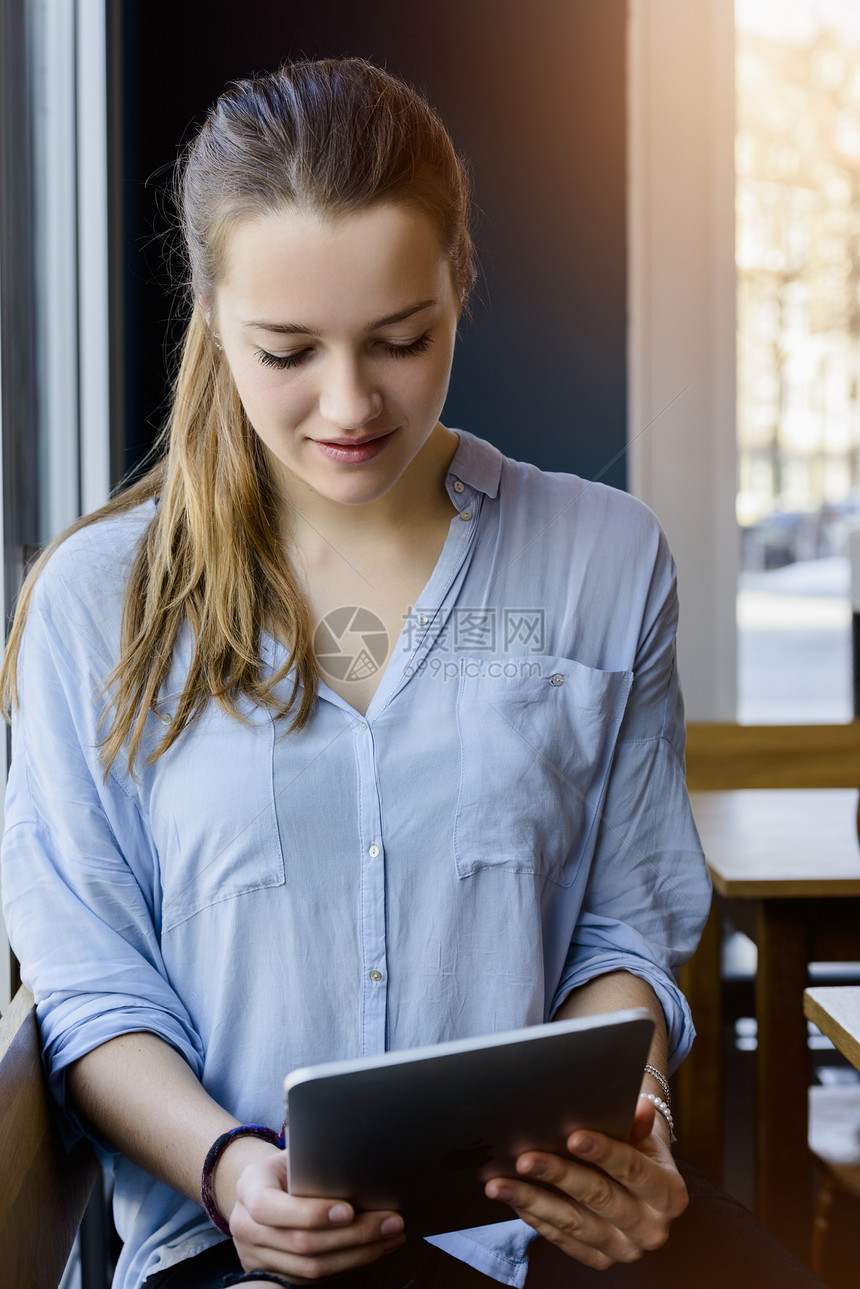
{"type": "Point", "coordinates": [419, 346]}
{"type": "Point", "coordinates": [282, 361]}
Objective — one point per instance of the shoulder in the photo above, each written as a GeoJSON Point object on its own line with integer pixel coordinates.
{"type": "Point", "coordinates": [585, 498]}
{"type": "Point", "coordinates": [83, 583]}
{"type": "Point", "coordinates": [595, 557]}
{"type": "Point", "coordinates": [566, 499]}
{"type": "Point", "coordinates": [560, 510]}
{"type": "Point", "coordinates": [99, 556]}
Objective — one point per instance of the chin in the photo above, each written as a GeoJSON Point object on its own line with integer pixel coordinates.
{"type": "Point", "coordinates": [357, 497]}
{"type": "Point", "coordinates": [347, 491]}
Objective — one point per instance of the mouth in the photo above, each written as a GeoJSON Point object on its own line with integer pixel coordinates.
{"type": "Point", "coordinates": [352, 442]}
{"type": "Point", "coordinates": [354, 451]}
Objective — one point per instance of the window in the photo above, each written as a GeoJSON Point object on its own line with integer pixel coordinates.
{"type": "Point", "coordinates": [797, 158]}
{"type": "Point", "coordinates": [748, 454]}
{"type": "Point", "coordinates": [54, 238]}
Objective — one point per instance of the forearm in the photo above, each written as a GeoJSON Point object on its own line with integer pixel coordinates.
{"type": "Point", "coordinates": [138, 1093]}
{"type": "Point", "coordinates": [613, 992]}
{"type": "Point", "coordinates": [140, 1096]}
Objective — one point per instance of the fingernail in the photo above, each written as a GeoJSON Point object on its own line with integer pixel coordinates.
{"type": "Point", "coordinates": [582, 1145]}
{"type": "Point", "coordinates": [503, 1193]}
{"type": "Point", "coordinates": [392, 1225]}
{"type": "Point", "coordinates": [339, 1213]}
{"type": "Point", "coordinates": [537, 1168]}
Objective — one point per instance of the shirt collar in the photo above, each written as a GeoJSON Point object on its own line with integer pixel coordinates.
{"type": "Point", "coordinates": [477, 463]}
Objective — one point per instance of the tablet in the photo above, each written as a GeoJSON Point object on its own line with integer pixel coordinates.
{"type": "Point", "coordinates": [422, 1130]}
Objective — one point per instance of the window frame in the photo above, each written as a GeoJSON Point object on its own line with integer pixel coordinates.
{"type": "Point", "coordinates": [56, 82]}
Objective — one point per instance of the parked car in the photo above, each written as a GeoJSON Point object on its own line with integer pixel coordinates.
{"type": "Point", "coordinates": [780, 539]}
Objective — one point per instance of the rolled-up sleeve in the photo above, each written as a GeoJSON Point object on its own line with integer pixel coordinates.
{"type": "Point", "coordinates": [79, 871]}
{"type": "Point", "coordinates": [648, 891]}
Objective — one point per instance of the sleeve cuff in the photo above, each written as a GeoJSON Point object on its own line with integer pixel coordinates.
{"type": "Point", "coordinates": [679, 1021]}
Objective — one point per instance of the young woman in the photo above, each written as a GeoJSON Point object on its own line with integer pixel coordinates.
{"type": "Point", "coordinates": [341, 733]}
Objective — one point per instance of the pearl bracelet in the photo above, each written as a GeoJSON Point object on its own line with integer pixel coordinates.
{"type": "Point", "coordinates": [660, 1105]}
{"type": "Point", "coordinates": [662, 1080]}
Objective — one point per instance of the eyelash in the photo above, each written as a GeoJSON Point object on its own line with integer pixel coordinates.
{"type": "Point", "coordinates": [286, 361]}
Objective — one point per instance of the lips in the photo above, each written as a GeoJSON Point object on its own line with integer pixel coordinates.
{"type": "Point", "coordinates": [354, 451]}
{"type": "Point", "coordinates": [353, 442]}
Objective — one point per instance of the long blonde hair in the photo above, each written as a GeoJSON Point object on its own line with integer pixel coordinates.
{"type": "Point", "coordinates": [332, 136]}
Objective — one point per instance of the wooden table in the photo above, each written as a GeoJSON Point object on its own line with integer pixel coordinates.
{"type": "Point", "coordinates": [785, 866]}
{"type": "Point", "coordinates": [835, 1009]}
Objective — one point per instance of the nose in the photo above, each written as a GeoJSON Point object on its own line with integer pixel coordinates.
{"type": "Point", "coordinates": [348, 399]}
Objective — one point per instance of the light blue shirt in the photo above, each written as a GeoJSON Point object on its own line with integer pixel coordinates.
{"type": "Point", "coordinates": [507, 821]}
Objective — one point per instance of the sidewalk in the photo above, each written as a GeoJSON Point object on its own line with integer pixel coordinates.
{"type": "Point", "coordinates": [794, 644]}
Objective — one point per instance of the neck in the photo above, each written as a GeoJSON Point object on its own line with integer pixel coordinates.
{"type": "Point", "coordinates": [417, 499]}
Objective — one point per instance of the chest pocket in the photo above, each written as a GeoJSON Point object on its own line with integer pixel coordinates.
{"type": "Point", "coordinates": [212, 813]}
{"type": "Point", "coordinates": [537, 735]}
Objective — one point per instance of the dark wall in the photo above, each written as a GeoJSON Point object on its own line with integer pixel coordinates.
{"type": "Point", "coordinates": [533, 94]}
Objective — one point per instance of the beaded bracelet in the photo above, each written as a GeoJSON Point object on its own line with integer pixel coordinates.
{"type": "Point", "coordinates": [216, 1150]}
{"type": "Point", "coordinates": [662, 1080]}
{"type": "Point", "coordinates": [660, 1104]}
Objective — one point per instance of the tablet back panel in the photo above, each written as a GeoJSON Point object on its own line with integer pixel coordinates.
{"type": "Point", "coordinates": [422, 1131]}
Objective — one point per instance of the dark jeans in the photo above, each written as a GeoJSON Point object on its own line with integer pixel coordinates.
{"type": "Point", "coordinates": [717, 1244]}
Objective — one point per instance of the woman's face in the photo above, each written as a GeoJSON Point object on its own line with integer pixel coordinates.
{"type": "Point", "coordinates": [339, 335]}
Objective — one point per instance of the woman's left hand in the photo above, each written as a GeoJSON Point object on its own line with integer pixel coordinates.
{"type": "Point", "coordinates": [615, 1205]}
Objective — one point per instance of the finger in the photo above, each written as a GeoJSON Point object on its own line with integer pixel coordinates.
{"type": "Point", "coordinates": [591, 1188]}
{"type": "Point", "coordinates": [368, 1229]}
{"type": "Point", "coordinates": [273, 1207]}
{"type": "Point", "coordinates": [657, 1183]}
{"type": "Point", "coordinates": [582, 1234]}
{"type": "Point", "coordinates": [262, 1189]}
{"type": "Point", "coordinates": [311, 1239]}
{"type": "Point", "coordinates": [313, 1267]}
{"type": "Point", "coordinates": [584, 1253]}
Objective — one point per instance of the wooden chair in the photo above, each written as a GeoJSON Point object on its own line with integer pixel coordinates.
{"type": "Point", "coordinates": [43, 1189]}
{"type": "Point", "coordinates": [834, 1139]}
{"type": "Point", "coordinates": [724, 756]}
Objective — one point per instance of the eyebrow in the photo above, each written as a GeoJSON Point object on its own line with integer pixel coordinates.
{"type": "Point", "coordinates": [299, 329]}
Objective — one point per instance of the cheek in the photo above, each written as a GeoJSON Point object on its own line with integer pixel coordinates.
{"type": "Point", "coordinates": [419, 396]}
{"type": "Point", "coordinates": [270, 400]}
{"type": "Point", "coordinates": [429, 381]}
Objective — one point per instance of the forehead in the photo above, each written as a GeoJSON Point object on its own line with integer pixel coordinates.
{"type": "Point", "coordinates": [297, 266]}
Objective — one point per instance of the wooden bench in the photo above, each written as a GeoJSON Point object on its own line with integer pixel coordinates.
{"type": "Point", "coordinates": [43, 1189]}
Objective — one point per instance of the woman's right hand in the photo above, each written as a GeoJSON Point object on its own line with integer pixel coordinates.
{"type": "Point", "coordinates": [140, 1094]}
{"type": "Point", "coordinates": [300, 1238]}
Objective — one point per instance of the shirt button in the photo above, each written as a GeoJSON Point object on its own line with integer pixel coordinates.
{"type": "Point", "coordinates": [556, 679]}
{"type": "Point", "coordinates": [376, 976]}
{"type": "Point", "coordinates": [465, 515]}
{"type": "Point", "coordinates": [423, 619]}
{"type": "Point", "coordinates": [374, 851]}
{"type": "Point", "coordinates": [458, 485]}
{"type": "Point", "coordinates": [363, 726]}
